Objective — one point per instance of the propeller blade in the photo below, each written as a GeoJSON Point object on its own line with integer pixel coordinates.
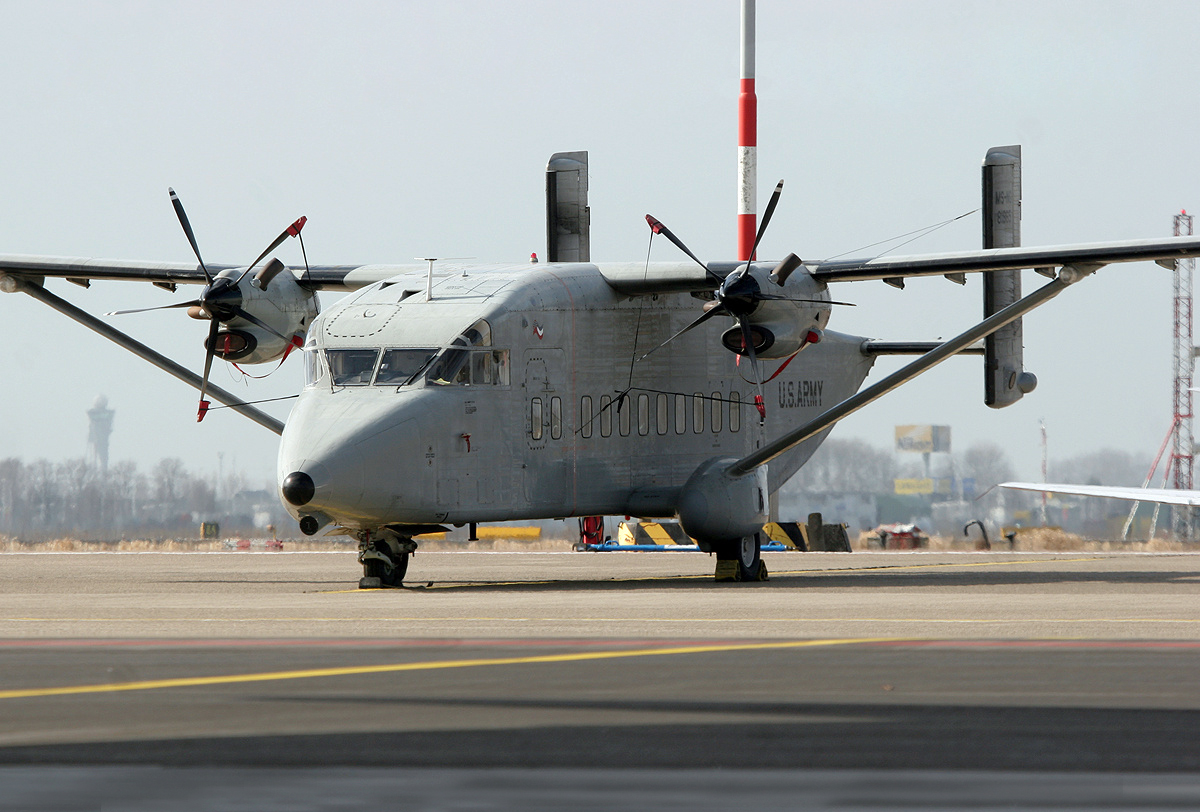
{"type": "Point", "coordinates": [748, 345]}
{"type": "Point", "coordinates": [291, 231]}
{"type": "Point", "coordinates": [762, 227]}
{"type": "Point", "coordinates": [250, 317]}
{"type": "Point", "coordinates": [192, 303]}
{"type": "Point", "coordinates": [187, 229]}
{"type": "Point", "coordinates": [210, 349]}
{"type": "Point", "coordinates": [806, 301]}
{"type": "Point", "coordinates": [658, 228]}
{"type": "Point", "coordinates": [705, 316]}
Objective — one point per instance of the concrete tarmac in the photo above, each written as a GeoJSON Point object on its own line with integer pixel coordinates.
{"type": "Point", "coordinates": [917, 670]}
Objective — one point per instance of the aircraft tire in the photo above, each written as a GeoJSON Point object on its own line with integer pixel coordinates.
{"type": "Point", "coordinates": [374, 568]}
{"type": "Point", "coordinates": [740, 560]}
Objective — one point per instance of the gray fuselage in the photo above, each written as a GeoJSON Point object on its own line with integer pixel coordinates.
{"type": "Point", "coordinates": [533, 430]}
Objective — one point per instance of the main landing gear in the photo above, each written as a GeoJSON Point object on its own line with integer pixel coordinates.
{"type": "Point", "coordinates": [740, 560]}
{"type": "Point", "coordinates": [384, 556]}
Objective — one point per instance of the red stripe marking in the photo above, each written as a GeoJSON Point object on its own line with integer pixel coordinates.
{"type": "Point", "coordinates": [747, 115]}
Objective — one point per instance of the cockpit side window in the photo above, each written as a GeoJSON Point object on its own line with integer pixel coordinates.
{"type": "Point", "coordinates": [402, 366]}
{"type": "Point", "coordinates": [461, 364]}
{"type": "Point", "coordinates": [314, 367]}
{"type": "Point", "coordinates": [351, 367]}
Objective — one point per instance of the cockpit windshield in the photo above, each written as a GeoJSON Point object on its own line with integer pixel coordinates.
{"type": "Point", "coordinates": [400, 367]}
{"type": "Point", "coordinates": [351, 367]}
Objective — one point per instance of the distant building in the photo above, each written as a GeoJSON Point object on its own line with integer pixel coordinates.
{"type": "Point", "coordinates": [100, 421]}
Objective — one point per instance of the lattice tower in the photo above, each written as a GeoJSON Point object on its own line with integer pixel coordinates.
{"type": "Point", "coordinates": [1182, 448]}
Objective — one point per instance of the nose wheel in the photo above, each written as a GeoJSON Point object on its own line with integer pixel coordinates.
{"type": "Point", "coordinates": [384, 560]}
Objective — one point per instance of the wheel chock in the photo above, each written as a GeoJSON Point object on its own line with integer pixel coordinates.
{"type": "Point", "coordinates": [727, 570]}
{"type": "Point", "coordinates": [370, 582]}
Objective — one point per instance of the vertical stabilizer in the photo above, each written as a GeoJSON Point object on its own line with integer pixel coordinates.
{"type": "Point", "coordinates": [568, 218]}
{"type": "Point", "coordinates": [1005, 379]}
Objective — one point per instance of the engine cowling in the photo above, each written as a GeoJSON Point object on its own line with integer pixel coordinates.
{"type": "Point", "coordinates": [780, 327]}
{"type": "Point", "coordinates": [275, 297]}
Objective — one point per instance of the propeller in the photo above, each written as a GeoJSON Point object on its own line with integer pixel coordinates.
{"type": "Point", "coordinates": [738, 294]}
{"type": "Point", "coordinates": [221, 299]}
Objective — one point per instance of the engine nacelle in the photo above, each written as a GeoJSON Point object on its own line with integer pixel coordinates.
{"type": "Point", "coordinates": [275, 297]}
{"type": "Point", "coordinates": [783, 312]}
{"type": "Point", "coordinates": [715, 507]}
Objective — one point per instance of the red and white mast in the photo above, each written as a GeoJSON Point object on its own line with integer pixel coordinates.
{"type": "Point", "coordinates": [747, 139]}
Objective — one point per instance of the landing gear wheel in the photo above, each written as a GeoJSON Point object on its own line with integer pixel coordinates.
{"type": "Point", "coordinates": [740, 560]}
{"type": "Point", "coordinates": [379, 573]}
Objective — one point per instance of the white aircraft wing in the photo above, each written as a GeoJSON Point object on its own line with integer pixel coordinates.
{"type": "Point", "coordinates": [83, 270]}
{"type": "Point", "coordinates": [1004, 259]}
{"type": "Point", "coordinates": [1160, 495]}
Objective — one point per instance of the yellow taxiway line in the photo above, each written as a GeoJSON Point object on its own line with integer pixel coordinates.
{"type": "Point", "coordinates": [355, 670]}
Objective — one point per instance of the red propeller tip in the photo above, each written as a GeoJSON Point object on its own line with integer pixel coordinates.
{"type": "Point", "coordinates": [294, 228]}
{"type": "Point", "coordinates": [655, 225]}
{"type": "Point", "coordinates": [204, 404]}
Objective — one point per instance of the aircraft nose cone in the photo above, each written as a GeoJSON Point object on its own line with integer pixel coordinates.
{"type": "Point", "coordinates": [298, 488]}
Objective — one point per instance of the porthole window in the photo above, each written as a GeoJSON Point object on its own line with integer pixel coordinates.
{"type": "Point", "coordinates": [680, 414]}
{"type": "Point", "coordinates": [535, 418]}
{"type": "Point", "coordinates": [606, 413]}
{"type": "Point", "coordinates": [716, 412]}
{"type": "Point", "coordinates": [643, 409]}
{"type": "Point", "coordinates": [698, 412]}
{"type": "Point", "coordinates": [585, 416]}
{"type": "Point", "coordinates": [735, 411]}
{"type": "Point", "coordinates": [555, 418]}
{"type": "Point", "coordinates": [660, 414]}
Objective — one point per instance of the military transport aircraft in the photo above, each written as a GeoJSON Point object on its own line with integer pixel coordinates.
{"type": "Point", "coordinates": [451, 393]}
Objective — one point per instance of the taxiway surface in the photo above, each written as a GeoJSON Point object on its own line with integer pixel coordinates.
{"type": "Point", "coordinates": [1070, 663]}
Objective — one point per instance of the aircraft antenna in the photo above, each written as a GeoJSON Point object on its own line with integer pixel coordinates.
{"type": "Point", "coordinates": [747, 139]}
{"type": "Point", "coordinates": [1181, 449]}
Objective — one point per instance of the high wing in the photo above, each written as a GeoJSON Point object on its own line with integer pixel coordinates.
{"type": "Point", "coordinates": [1160, 495]}
{"type": "Point", "coordinates": [165, 274]}
{"type": "Point", "coordinates": [1005, 259]}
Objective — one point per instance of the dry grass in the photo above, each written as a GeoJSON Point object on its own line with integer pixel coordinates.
{"type": "Point", "coordinates": [9, 544]}
{"type": "Point", "coordinates": [1031, 540]}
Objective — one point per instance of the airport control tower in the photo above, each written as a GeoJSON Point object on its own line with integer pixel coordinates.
{"type": "Point", "coordinates": [100, 420]}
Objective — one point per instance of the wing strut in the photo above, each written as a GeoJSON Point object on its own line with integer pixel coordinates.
{"type": "Point", "coordinates": [852, 404]}
{"type": "Point", "coordinates": [142, 351]}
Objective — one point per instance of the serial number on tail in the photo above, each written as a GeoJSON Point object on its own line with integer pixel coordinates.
{"type": "Point", "coordinates": [800, 394]}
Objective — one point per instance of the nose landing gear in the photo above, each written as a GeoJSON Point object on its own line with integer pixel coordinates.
{"type": "Point", "coordinates": [384, 556]}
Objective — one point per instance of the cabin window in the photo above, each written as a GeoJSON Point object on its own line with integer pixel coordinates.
{"type": "Point", "coordinates": [535, 418]}
{"type": "Point", "coordinates": [624, 408]}
{"type": "Point", "coordinates": [351, 367]}
{"type": "Point", "coordinates": [698, 412]}
{"type": "Point", "coordinates": [314, 367]}
{"type": "Point", "coordinates": [735, 411]}
{"type": "Point", "coordinates": [680, 414]}
{"type": "Point", "coordinates": [717, 399]}
{"type": "Point", "coordinates": [585, 416]}
{"type": "Point", "coordinates": [402, 366]}
{"type": "Point", "coordinates": [660, 414]}
{"type": "Point", "coordinates": [555, 418]}
{"type": "Point", "coordinates": [643, 407]}
{"type": "Point", "coordinates": [606, 413]}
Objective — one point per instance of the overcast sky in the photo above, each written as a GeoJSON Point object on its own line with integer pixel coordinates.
{"type": "Point", "coordinates": [409, 129]}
